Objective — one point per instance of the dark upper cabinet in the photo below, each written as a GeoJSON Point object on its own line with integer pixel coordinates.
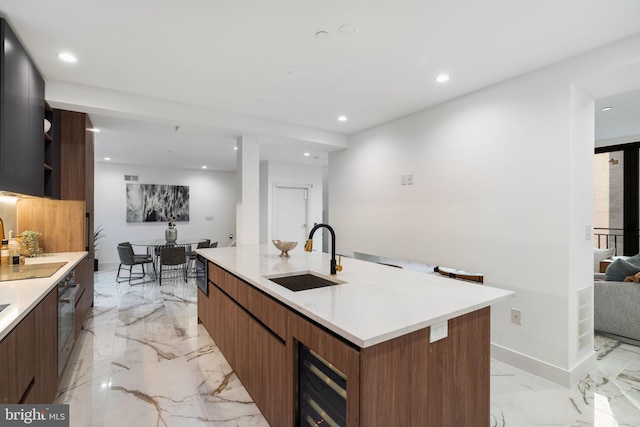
{"type": "Point", "coordinates": [21, 118]}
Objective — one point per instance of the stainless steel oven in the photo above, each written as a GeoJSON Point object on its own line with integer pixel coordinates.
{"type": "Point", "coordinates": [67, 289]}
{"type": "Point", "coordinates": [201, 274]}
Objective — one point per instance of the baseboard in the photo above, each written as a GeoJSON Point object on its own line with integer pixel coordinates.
{"type": "Point", "coordinates": [563, 377]}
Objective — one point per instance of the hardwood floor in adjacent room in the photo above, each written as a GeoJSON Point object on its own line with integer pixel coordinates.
{"type": "Point", "coordinates": [143, 360]}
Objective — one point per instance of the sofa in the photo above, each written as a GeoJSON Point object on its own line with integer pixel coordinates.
{"type": "Point", "coordinates": [616, 310]}
{"type": "Point", "coordinates": [616, 303]}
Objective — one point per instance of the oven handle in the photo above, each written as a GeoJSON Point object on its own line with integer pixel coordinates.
{"type": "Point", "coordinates": [72, 296]}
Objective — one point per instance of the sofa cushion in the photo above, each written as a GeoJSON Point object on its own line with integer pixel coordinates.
{"type": "Point", "coordinates": [619, 269]}
{"type": "Point", "coordinates": [599, 255]}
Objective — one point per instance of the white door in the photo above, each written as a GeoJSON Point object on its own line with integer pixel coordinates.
{"type": "Point", "coordinates": [290, 214]}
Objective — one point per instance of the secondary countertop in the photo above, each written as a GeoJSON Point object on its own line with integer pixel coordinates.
{"type": "Point", "coordinates": [377, 303]}
{"type": "Point", "coordinates": [23, 295]}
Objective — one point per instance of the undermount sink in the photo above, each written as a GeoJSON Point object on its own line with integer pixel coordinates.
{"type": "Point", "coordinates": [303, 281]}
{"type": "Point", "coordinates": [3, 306]}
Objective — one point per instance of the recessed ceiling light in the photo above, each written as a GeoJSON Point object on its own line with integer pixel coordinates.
{"type": "Point", "coordinates": [607, 108]}
{"type": "Point", "coordinates": [294, 75]}
{"type": "Point", "coordinates": [67, 57]}
{"type": "Point", "coordinates": [107, 158]}
{"type": "Point", "coordinates": [307, 154]}
{"type": "Point", "coordinates": [342, 118]}
{"type": "Point", "coordinates": [204, 167]}
{"type": "Point", "coordinates": [96, 130]}
{"type": "Point", "coordinates": [442, 78]}
{"type": "Point", "coordinates": [235, 148]}
{"type": "Point", "coordinates": [322, 35]}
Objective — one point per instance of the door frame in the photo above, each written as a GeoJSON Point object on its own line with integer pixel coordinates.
{"type": "Point", "coordinates": [274, 204]}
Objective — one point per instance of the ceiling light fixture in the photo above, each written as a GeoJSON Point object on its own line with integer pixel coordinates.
{"type": "Point", "coordinates": [204, 167]}
{"type": "Point", "coordinates": [235, 148]}
{"type": "Point", "coordinates": [442, 78]}
{"type": "Point", "coordinates": [95, 130]}
{"type": "Point", "coordinates": [320, 35]}
{"type": "Point", "coordinates": [606, 108]}
{"type": "Point", "coordinates": [342, 118]}
{"type": "Point", "coordinates": [347, 29]}
{"type": "Point", "coordinates": [307, 154]}
{"type": "Point", "coordinates": [107, 158]}
{"type": "Point", "coordinates": [67, 57]}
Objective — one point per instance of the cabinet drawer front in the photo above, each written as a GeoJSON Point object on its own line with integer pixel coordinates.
{"type": "Point", "coordinates": [268, 311]}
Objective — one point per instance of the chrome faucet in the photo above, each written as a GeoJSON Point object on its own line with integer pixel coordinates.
{"type": "Point", "coordinates": [335, 267]}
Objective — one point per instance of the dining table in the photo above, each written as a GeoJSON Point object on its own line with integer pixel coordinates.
{"type": "Point", "coordinates": [153, 244]}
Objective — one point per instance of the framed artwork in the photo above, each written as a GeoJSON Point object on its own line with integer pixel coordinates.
{"type": "Point", "coordinates": [157, 203]}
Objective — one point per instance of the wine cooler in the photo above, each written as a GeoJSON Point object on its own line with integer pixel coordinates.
{"type": "Point", "coordinates": [322, 391]}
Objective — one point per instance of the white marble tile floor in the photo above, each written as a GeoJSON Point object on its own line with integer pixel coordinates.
{"type": "Point", "coordinates": [143, 360]}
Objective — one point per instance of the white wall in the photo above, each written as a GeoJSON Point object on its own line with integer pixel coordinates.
{"type": "Point", "coordinates": [503, 185]}
{"type": "Point", "coordinates": [212, 194]}
{"type": "Point", "coordinates": [291, 174]}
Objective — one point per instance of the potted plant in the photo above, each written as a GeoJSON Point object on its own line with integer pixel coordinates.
{"type": "Point", "coordinates": [30, 244]}
{"type": "Point", "coordinates": [98, 234]}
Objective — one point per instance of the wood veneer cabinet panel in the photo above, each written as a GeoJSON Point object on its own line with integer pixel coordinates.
{"type": "Point", "coordinates": [440, 384]}
{"type": "Point", "coordinates": [61, 222]}
{"type": "Point", "coordinates": [73, 171]}
{"type": "Point", "coordinates": [84, 299]}
{"type": "Point", "coordinates": [46, 341]}
{"type": "Point", "coordinates": [278, 404]}
{"type": "Point", "coordinates": [17, 362]}
{"type": "Point", "coordinates": [270, 312]}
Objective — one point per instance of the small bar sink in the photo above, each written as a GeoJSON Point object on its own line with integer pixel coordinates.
{"type": "Point", "coordinates": [303, 281]}
{"type": "Point", "coordinates": [3, 306]}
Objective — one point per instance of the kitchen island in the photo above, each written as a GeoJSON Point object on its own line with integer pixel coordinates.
{"type": "Point", "coordinates": [370, 337]}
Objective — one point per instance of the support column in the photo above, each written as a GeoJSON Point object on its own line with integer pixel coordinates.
{"type": "Point", "coordinates": [248, 191]}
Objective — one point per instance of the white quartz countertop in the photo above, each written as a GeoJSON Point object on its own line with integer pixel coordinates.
{"type": "Point", "coordinates": [23, 295]}
{"type": "Point", "coordinates": [377, 303]}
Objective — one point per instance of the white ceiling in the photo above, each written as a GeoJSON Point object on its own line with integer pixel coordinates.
{"type": "Point", "coordinates": [262, 60]}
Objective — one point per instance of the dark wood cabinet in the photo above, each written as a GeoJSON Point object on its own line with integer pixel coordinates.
{"type": "Point", "coordinates": [84, 299]}
{"type": "Point", "coordinates": [45, 320]}
{"type": "Point", "coordinates": [255, 352]}
{"type": "Point", "coordinates": [21, 118]}
{"type": "Point", "coordinates": [17, 367]}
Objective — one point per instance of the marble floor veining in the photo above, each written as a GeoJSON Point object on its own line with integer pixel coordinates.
{"type": "Point", "coordinates": [143, 360]}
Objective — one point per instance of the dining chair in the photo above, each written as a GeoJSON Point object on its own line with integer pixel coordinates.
{"type": "Point", "coordinates": [192, 254]}
{"type": "Point", "coordinates": [175, 258]}
{"type": "Point", "coordinates": [128, 261]}
{"type": "Point", "coordinates": [136, 256]}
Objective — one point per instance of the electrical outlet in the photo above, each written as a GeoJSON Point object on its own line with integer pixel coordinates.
{"type": "Point", "coordinates": [409, 179]}
{"type": "Point", "coordinates": [516, 316]}
{"type": "Point", "coordinates": [439, 331]}
{"type": "Point", "coordinates": [403, 179]}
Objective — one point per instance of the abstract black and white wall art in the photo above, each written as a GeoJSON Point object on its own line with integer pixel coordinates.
{"type": "Point", "coordinates": [157, 203]}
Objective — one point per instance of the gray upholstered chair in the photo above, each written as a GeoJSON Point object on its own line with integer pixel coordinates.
{"type": "Point", "coordinates": [192, 254]}
{"type": "Point", "coordinates": [128, 260]}
{"type": "Point", "coordinates": [173, 258]}
{"type": "Point", "coordinates": [137, 257]}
